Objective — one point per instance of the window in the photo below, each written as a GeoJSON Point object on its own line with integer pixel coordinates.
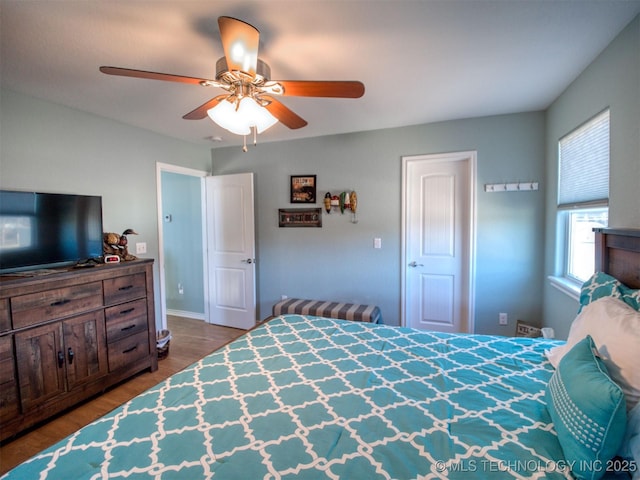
{"type": "Point", "coordinates": [583, 194]}
{"type": "Point", "coordinates": [580, 244]}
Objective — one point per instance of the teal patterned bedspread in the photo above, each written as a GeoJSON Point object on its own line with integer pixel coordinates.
{"type": "Point", "coordinates": [308, 398]}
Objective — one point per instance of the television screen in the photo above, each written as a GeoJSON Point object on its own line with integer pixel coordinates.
{"type": "Point", "coordinates": [48, 229]}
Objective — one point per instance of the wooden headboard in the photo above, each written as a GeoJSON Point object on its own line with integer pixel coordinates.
{"type": "Point", "coordinates": [618, 254]}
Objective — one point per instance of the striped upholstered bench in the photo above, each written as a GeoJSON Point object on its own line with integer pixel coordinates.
{"type": "Point", "coordinates": [346, 311]}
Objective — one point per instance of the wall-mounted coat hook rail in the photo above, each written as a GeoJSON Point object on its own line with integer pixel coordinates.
{"type": "Point", "coordinates": [511, 187]}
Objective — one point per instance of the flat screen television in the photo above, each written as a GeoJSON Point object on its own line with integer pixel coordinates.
{"type": "Point", "coordinates": [44, 230]}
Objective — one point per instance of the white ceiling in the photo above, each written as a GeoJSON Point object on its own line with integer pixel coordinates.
{"type": "Point", "coordinates": [421, 61]}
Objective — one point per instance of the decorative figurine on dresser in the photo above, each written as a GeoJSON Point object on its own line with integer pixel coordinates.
{"type": "Point", "coordinates": [114, 244]}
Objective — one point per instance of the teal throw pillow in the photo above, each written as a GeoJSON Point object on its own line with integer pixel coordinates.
{"type": "Point", "coordinates": [588, 410]}
{"type": "Point", "coordinates": [603, 285]}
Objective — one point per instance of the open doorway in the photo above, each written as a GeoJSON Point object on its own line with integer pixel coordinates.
{"type": "Point", "coordinates": [182, 240]}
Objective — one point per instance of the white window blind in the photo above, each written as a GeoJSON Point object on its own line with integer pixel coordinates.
{"type": "Point", "coordinates": [584, 164]}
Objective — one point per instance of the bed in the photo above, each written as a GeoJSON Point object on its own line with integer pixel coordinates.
{"type": "Point", "coordinates": [308, 397]}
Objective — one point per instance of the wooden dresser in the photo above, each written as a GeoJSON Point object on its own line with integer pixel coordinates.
{"type": "Point", "coordinates": [69, 334]}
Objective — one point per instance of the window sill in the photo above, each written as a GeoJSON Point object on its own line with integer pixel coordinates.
{"type": "Point", "coordinates": [566, 286]}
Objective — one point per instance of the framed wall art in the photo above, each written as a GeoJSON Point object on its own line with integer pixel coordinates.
{"type": "Point", "coordinates": [300, 217]}
{"type": "Point", "coordinates": [303, 189]}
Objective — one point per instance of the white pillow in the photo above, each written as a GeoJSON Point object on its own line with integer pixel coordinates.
{"type": "Point", "coordinates": [615, 329]}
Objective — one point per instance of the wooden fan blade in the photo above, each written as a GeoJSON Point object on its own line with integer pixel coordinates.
{"type": "Point", "coordinates": [240, 42]}
{"type": "Point", "coordinates": [310, 88]}
{"type": "Point", "coordinates": [128, 72]}
{"type": "Point", "coordinates": [285, 115]}
{"type": "Point", "coordinates": [201, 112]}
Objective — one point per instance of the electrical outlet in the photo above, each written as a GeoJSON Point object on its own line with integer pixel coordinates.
{"type": "Point", "coordinates": [503, 319]}
{"type": "Point", "coordinates": [180, 289]}
{"type": "Point", "coordinates": [141, 248]}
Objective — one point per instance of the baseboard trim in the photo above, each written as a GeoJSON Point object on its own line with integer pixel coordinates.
{"type": "Point", "coordinates": [183, 313]}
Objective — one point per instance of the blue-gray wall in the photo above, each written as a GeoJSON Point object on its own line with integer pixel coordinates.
{"type": "Point", "coordinates": [182, 241]}
{"type": "Point", "coordinates": [338, 261]}
{"type": "Point", "coordinates": [612, 80]}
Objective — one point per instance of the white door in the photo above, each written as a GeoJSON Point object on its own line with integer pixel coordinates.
{"type": "Point", "coordinates": [231, 250]}
{"type": "Point", "coordinates": [438, 230]}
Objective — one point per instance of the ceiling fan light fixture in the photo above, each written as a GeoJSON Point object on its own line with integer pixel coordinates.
{"type": "Point", "coordinates": [241, 117]}
{"type": "Point", "coordinates": [225, 115]}
{"type": "Point", "coordinates": [249, 105]}
{"type": "Point", "coordinates": [260, 117]}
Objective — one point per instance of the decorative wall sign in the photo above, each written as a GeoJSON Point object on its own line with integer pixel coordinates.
{"type": "Point", "coordinates": [303, 189]}
{"type": "Point", "coordinates": [300, 217]}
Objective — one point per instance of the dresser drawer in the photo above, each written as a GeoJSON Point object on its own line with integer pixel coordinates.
{"type": "Point", "coordinates": [39, 307]}
{"type": "Point", "coordinates": [128, 350]}
{"type": "Point", "coordinates": [126, 319]}
{"type": "Point", "coordinates": [123, 289]}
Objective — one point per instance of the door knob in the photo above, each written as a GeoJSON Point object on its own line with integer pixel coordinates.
{"type": "Point", "coordinates": [248, 260]}
{"type": "Point", "coordinates": [414, 264]}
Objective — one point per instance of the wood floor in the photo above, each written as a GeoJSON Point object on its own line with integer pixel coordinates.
{"type": "Point", "coordinates": [191, 340]}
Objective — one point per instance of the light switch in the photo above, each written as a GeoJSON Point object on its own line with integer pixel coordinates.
{"type": "Point", "coordinates": [377, 242]}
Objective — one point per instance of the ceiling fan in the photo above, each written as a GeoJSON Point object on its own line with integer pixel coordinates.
{"type": "Point", "coordinates": [244, 76]}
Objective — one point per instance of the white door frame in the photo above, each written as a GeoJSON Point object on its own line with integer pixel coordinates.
{"type": "Point", "coordinates": [167, 167]}
{"type": "Point", "coordinates": [471, 158]}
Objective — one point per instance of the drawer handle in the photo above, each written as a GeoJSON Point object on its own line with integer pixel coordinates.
{"type": "Point", "coordinates": [60, 302]}
{"type": "Point", "coordinates": [128, 328]}
{"type": "Point", "coordinates": [71, 355]}
{"type": "Point", "coordinates": [129, 350]}
{"type": "Point", "coordinates": [60, 359]}
{"type": "Point", "coordinates": [128, 287]}
{"type": "Point", "coordinates": [128, 310]}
